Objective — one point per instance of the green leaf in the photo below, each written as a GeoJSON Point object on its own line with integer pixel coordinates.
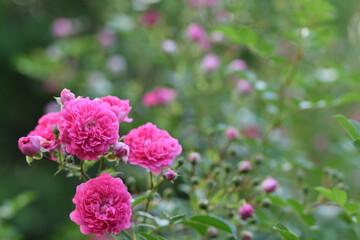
{"type": "Point", "coordinates": [201, 228]}
{"type": "Point", "coordinates": [348, 126]}
{"type": "Point", "coordinates": [148, 236]}
{"type": "Point", "coordinates": [139, 200]}
{"type": "Point", "coordinates": [298, 207]}
{"type": "Point", "coordinates": [325, 192]}
{"type": "Point", "coordinates": [351, 208]}
{"type": "Point", "coordinates": [347, 98]}
{"type": "Point", "coordinates": [177, 217]}
{"type": "Point", "coordinates": [340, 196]}
{"type": "Point", "coordinates": [216, 222]}
{"type": "Point", "coordinates": [284, 232]}
{"type": "Point", "coordinates": [277, 201]}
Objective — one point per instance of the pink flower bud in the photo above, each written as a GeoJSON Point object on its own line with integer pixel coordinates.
{"type": "Point", "coordinates": [170, 175]}
{"type": "Point", "coordinates": [269, 185]}
{"type": "Point", "coordinates": [62, 27]}
{"type": "Point", "coordinates": [246, 235]}
{"type": "Point", "coordinates": [237, 65]}
{"type": "Point", "coordinates": [243, 87]}
{"type": "Point", "coordinates": [194, 157]}
{"type": "Point", "coordinates": [121, 151]}
{"type": "Point", "coordinates": [29, 146]}
{"type": "Point", "coordinates": [232, 133]}
{"type": "Point", "coordinates": [66, 95]}
{"type": "Point", "coordinates": [246, 211]}
{"type": "Point", "coordinates": [195, 32]}
{"type": "Point", "coordinates": [210, 62]}
{"type": "Point", "coordinates": [245, 166]}
{"type": "Point", "coordinates": [217, 37]}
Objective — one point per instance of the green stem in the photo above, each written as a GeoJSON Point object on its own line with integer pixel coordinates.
{"type": "Point", "coordinates": [100, 166]}
{"type": "Point", "coordinates": [83, 173]}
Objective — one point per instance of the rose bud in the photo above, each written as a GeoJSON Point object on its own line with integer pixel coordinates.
{"type": "Point", "coordinates": [269, 185]}
{"type": "Point", "coordinates": [245, 166]}
{"type": "Point", "coordinates": [246, 211]}
{"type": "Point", "coordinates": [170, 175]}
{"type": "Point", "coordinates": [66, 95]}
{"type": "Point", "coordinates": [29, 146]}
{"type": "Point", "coordinates": [232, 133]}
{"type": "Point", "coordinates": [121, 150]}
{"type": "Point", "coordinates": [194, 158]}
{"type": "Point", "coordinates": [246, 235]}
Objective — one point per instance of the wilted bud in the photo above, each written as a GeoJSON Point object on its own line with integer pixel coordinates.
{"type": "Point", "coordinates": [29, 146]}
{"type": "Point", "coordinates": [269, 185]}
{"type": "Point", "coordinates": [246, 211]}
{"type": "Point", "coordinates": [121, 151]}
{"type": "Point", "coordinates": [170, 175]}
{"type": "Point", "coordinates": [204, 204]}
{"type": "Point", "coordinates": [245, 166]}
{"type": "Point", "coordinates": [246, 235]}
{"type": "Point", "coordinates": [66, 95]}
{"type": "Point", "coordinates": [194, 158]}
{"type": "Point", "coordinates": [232, 133]}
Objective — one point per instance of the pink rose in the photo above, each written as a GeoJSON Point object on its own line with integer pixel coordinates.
{"type": "Point", "coordinates": [102, 204]}
{"type": "Point", "coordinates": [44, 129]}
{"type": "Point", "coordinates": [232, 133]}
{"type": "Point", "coordinates": [170, 175]}
{"type": "Point", "coordinates": [121, 108]}
{"type": "Point", "coordinates": [195, 32]}
{"type": "Point", "coordinates": [87, 128]}
{"type": "Point", "coordinates": [237, 65]}
{"type": "Point", "coordinates": [62, 27]}
{"type": "Point", "coordinates": [150, 17]}
{"type": "Point", "coordinates": [210, 62]}
{"type": "Point", "coordinates": [243, 87]}
{"type": "Point", "coordinates": [106, 38]}
{"type": "Point", "coordinates": [245, 166]}
{"type": "Point", "coordinates": [151, 147]}
{"type": "Point", "coordinates": [158, 96]}
{"type": "Point", "coordinates": [29, 146]}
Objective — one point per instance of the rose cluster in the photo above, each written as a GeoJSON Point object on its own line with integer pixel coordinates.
{"type": "Point", "coordinates": [86, 129]}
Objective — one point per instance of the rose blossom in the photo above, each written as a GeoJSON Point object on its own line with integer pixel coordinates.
{"type": "Point", "coordinates": [158, 96]}
{"type": "Point", "coordinates": [87, 128]}
{"type": "Point", "coordinates": [197, 34]}
{"type": "Point", "coordinates": [251, 131]}
{"type": "Point", "coordinates": [29, 146]}
{"type": "Point", "coordinates": [245, 166]}
{"type": "Point", "coordinates": [102, 204]}
{"type": "Point", "coordinates": [121, 108]}
{"type": "Point", "coordinates": [106, 38]}
{"type": "Point", "coordinates": [150, 17]}
{"type": "Point", "coordinates": [62, 27]}
{"type": "Point", "coordinates": [237, 65]}
{"type": "Point", "coordinates": [243, 87]}
{"type": "Point", "coordinates": [194, 157]}
{"type": "Point", "coordinates": [246, 211]}
{"type": "Point", "coordinates": [269, 185]}
{"type": "Point", "coordinates": [151, 147]}
{"type": "Point", "coordinates": [210, 62]}
{"type": "Point", "coordinates": [44, 129]}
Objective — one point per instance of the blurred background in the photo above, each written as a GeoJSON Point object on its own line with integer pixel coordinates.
{"type": "Point", "coordinates": [298, 65]}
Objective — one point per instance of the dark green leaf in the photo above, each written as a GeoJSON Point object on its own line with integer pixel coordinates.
{"type": "Point", "coordinates": [139, 200]}
{"type": "Point", "coordinates": [148, 236]}
{"type": "Point", "coordinates": [340, 196]}
{"type": "Point", "coordinates": [325, 192]}
{"type": "Point", "coordinates": [352, 208]}
{"type": "Point", "coordinates": [201, 228]}
{"type": "Point", "coordinates": [348, 126]}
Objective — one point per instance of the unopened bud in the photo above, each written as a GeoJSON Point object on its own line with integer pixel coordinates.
{"type": "Point", "coordinates": [259, 158]}
{"type": "Point", "coordinates": [121, 151]}
{"type": "Point", "coordinates": [29, 146]}
{"type": "Point", "coordinates": [232, 133]}
{"type": "Point", "coordinates": [204, 204]}
{"type": "Point", "coordinates": [237, 180]}
{"type": "Point", "coordinates": [170, 175]}
{"type": "Point", "coordinates": [245, 166]}
{"type": "Point", "coordinates": [269, 185]}
{"type": "Point", "coordinates": [213, 232]}
{"type": "Point", "coordinates": [246, 211]}
{"type": "Point", "coordinates": [194, 180]}
{"type": "Point", "coordinates": [194, 158]}
{"type": "Point", "coordinates": [66, 95]}
{"type": "Point", "coordinates": [246, 235]}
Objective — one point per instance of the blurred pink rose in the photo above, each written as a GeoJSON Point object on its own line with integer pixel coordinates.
{"type": "Point", "coordinates": [243, 87]}
{"type": "Point", "coordinates": [251, 131]}
{"type": "Point", "coordinates": [210, 62]}
{"type": "Point", "coordinates": [246, 211]}
{"type": "Point", "coordinates": [102, 205]}
{"type": "Point", "coordinates": [232, 133]}
{"type": "Point", "coordinates": [106, 38]}
{"type": "Point", "coordinates": [62, 27]}
{"type": "Point", "coordinates": [158, 96]}
{"type": "Point", "coordinates": [237, 65]}
{"type": "Point", "coordinates": [151, 147]}
{"type": "Point", "coordinates": [150, 17]}
{"type": "Point", "coordinates": [269, 185]}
